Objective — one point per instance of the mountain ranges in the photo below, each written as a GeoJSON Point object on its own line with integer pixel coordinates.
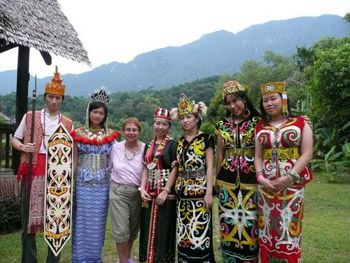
{"type": "Point", "coordinates": [217, 53]}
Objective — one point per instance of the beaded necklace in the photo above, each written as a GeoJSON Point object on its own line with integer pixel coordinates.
{"type": "Point", "coordinates": [134, 153]}
{"type": "Point", "coordinates": [94, 133]}
{"type": "Point", "coordinates": [152, 163]}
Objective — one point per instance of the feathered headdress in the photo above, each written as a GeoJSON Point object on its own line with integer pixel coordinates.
{"type": "Point", "coordinates": [186, 106]}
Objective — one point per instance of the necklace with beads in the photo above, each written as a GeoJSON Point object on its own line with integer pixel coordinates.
{"type": "Point", "coordinates": [134, 153]}
{"type": "Point", "coordinates": [92, 133]}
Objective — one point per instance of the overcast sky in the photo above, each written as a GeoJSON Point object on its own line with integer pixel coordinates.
{"type": "Point", "coordinates": [119, 30]}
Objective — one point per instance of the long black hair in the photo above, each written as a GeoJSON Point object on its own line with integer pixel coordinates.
{"type": "Point", "coordinates": [266, 118]}
{"type": "Point", "coordinates": [95, 105]}
{"type": "Point", "coordinates": [249, 105]}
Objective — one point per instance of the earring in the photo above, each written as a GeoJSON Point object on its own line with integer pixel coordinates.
{"type": "Point", "coordinates": [246, 113]}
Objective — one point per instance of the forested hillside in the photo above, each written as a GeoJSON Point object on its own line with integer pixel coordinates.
{"type": "Point", "coordinates": [317, 77]}
{"type": "Point", "coordinates": [216, 53]}
{"type": "Point", "coordinates": [140, 104]}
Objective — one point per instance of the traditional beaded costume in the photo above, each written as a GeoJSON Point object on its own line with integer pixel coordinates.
{"type": "Point", "coordinates": [194, 221]}
{"type": "Point", "coordinates": [280, 214]}
{"type": "Point", "coordinates": [91, 196]}
{"type": "Point", "coordinates": [237, 197]}
{"type": "Point", "coordinates": [158, 223]}
{"type": "Point", "coordinates": [238, 185]}
{"type": "Point", "coordinates": [44, 125]}
{"type": "Point", "coordinates": [41, 135]}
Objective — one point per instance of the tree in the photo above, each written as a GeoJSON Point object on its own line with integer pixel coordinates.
{"type": "Point", "coordinates": [303, 58]}
{"type": "Point", "coordinates": [279, 68]}
{"type": "Point", "coordinates": [329, 82]}
{"type": "Point", "coordinates": [216, 109]}
{"type": "Point", "coordinates": [274, 68]}
{"type": "Point", "coordinates": [347, 17]}
{"type": "Point", "coordinates": [146, 106]}
{"type": "Point", "coordinates": [253, 74]}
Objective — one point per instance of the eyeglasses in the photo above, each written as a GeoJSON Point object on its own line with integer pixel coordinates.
{"type": "Point", "coordinates": [131, 130]}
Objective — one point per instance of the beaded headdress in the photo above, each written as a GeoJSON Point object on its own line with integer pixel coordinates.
{"type": "Point", "coordinates": [100, 95]}
{"type": "Point", "coordinates": [230, 87]}
{"type": "Point", "coordinates": [186, 106]}
{"type": "Point", "coordinates": [272, 87]}
{"type": "Point", "coordinates": [276, 87]}
{"type": "Point", "coordinates": [162, 114]}
{"type": "Point", "coordinates": [55, 86]}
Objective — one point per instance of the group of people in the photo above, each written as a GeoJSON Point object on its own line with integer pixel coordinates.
{"type": "Point", "coordinates": [162, 191]}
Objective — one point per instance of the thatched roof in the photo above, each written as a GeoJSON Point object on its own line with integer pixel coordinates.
{"type": "Point", "coordinates": [4, 118]}
{"type": "Point", "coordinates": [40, 24]}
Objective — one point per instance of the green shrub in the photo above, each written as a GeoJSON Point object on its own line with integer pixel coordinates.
{"type": "Point", "coordinates": [10, 211]}
{"type": "Point", "coordinates": [335, 165]}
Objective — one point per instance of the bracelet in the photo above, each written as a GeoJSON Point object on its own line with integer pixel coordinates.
{"type": "Point", "coordinates": [294, 175]}
{"type": "Point", "coordinates": [166, 189]}
{"type": "Point", "coordinates": [141, 188]}
{"type": "Point", "coordinates": [291, 179]}
{"type": "Point", "coordinates": [20, 147]}
{"type": "Point", "coordinates": [259, 177]}
{"type": "Point", "coordinates": [259, 174]}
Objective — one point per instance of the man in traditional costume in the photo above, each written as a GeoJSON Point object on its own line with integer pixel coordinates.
{"type": "Point", "coordinates": [46, 122]}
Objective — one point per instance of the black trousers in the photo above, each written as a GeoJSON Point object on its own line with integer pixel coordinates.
{"type": "Point", "coordinates": [29, 250]}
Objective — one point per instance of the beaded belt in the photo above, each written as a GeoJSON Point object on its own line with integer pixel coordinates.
{"type": "Point", "coordinates": [192, 174]}
{"type": "Point", "coordinates": [157, 180]}
{"type": "Point", "coordinates": [93, 161]}
{"type": "Point", "coordinates": [155, 173]}
{"type": "Point", "coordinates": [239, 152]}
{"type": "Point", "coordinates": [282, 154]}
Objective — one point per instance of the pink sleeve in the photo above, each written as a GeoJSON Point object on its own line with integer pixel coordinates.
{"type": "Point", "coordinates": [110, 158]}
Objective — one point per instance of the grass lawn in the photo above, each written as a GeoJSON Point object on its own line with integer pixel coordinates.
{"type": "Point", "coordinates": [326, 230]}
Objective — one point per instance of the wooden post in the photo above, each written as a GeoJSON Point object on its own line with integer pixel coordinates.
{"type": "Point", "coordinates": [21, 93]}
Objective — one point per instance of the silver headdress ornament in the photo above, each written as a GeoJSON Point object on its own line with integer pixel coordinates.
{"type": "Point", "coordinates": [101, 95]}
